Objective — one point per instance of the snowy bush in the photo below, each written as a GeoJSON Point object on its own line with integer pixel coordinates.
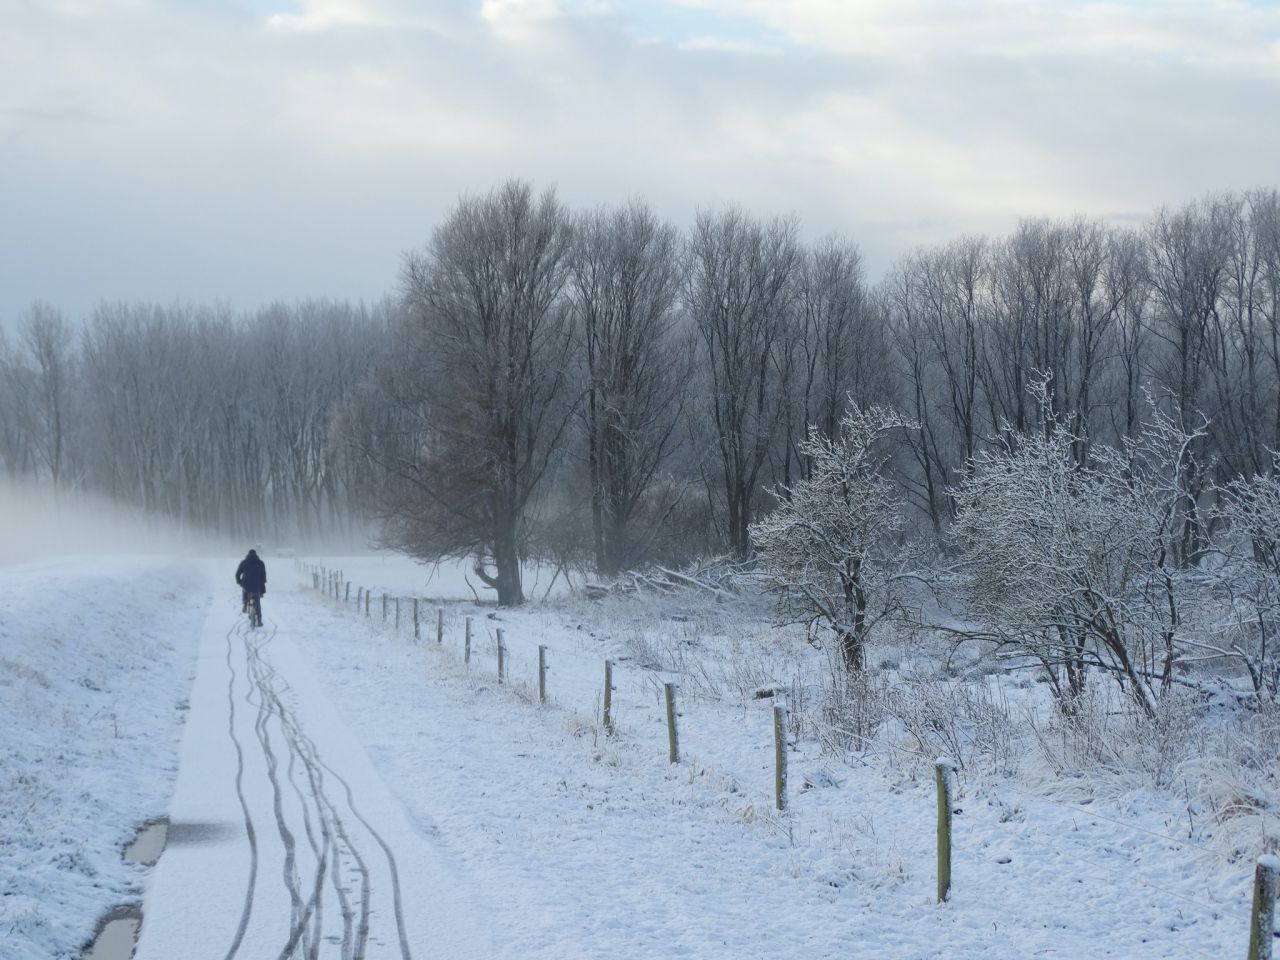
{"type": "Point", "coordinates": [1076, 565]}
{"type": "Point", "coordinates": [1249, 509]}
{"type": "Point", "coordinates": [831, 550]}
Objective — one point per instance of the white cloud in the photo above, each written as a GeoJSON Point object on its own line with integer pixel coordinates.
{"type": "Point", "coordinates": [190, 149]}
{"type": "Point", "coordinates": [1209, 31]}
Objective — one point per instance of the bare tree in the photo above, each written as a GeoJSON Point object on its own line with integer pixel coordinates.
{"type": "Point", "coordinates": [739, 289]}
{"type": "Point", "coordinates": [936, 302]}
{"type": "Point", "coordinates": [48, 340]}
{"type": "Point", "coordinates": [840, 345]}
{"type": "Point", "coordinates": [625, 287]}
{"type": "Point", "coordinates": [477, 384]}
{"type": "Point", "coordinates": [1189, 256]}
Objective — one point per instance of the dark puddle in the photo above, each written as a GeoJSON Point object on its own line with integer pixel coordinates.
{"type": "Point", "coordinates": [117, 935]}
{"type": "Point", "coordinates": [147, 846]}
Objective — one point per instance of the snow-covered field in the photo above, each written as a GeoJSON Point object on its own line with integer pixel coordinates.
{"type": "Point", "coordinates": [448, 580]}
{"type": "Point", "coordinates": [599, 846]}
{"type": "Point", "coordinates": [526, 831]}
{"type": "Point", "coordinates": [96, 657]}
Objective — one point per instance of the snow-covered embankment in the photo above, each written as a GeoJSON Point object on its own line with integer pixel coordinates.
{"type": "Point", "coordinates": [96, 660]}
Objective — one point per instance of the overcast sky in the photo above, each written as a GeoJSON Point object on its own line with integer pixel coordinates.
{"type": "Point", "coordinates": [263, 149]}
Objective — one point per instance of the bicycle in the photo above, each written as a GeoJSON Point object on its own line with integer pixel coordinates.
{"type": "Point", "coordinates": [253, 607]}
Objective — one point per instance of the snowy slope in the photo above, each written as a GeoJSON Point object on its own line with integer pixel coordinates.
{"type": "Point", "coordinates": [95, 662]}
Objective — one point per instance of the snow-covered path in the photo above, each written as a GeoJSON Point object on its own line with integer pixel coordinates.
{"type": "Point", "coordinates": [283, 840]}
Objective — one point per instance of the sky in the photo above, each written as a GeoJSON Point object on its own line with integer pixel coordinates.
{"type": "Point", "coordinates": [252, 150]}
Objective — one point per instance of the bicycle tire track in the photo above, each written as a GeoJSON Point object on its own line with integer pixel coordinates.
{"type": "Point", "coordinates": [304, 804]}
{"type": "Point", "coordinates": [246, 912]}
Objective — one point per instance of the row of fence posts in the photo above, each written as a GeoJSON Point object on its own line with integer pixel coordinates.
{"type": "Point", "coordinates": [1266, 876]}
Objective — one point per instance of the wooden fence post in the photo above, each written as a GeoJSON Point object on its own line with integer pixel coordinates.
{"type": "Point", "coordinates": [416, 633]}
{"type": "Point", "coordinates": [1266, 886]}
{"type": "Point", "coordinates": [673, 738]}
{"type": "Point", "coordinates": [780, 757]}
{"type": "Point", "coordinates": [346, 593]}
{"type": "Point", "coordinates": [384, 608]}
{"type": "Point", "coordinates": [466, 645]}
{"type": "Point", "coordinates": [542, 674]}
{"type": "Point", "coordinates": [608, 696]}
{"type": "Point", "coordinates": [367, 594]}
{"type": "Point", "coordinates": [501, 654]}
{"type": "Point", "coordinates": [440, 625]}
{"type": "Point", "coordinates": [945, 774]}
{"type": "Point", "coordinates": [397, 614]}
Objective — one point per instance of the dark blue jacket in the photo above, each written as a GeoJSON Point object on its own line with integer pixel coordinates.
{"type": "Point", "coordinates": [251, 575]}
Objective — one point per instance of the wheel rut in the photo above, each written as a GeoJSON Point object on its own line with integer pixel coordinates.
{"type": "Point", "coordinates": [337, 871]}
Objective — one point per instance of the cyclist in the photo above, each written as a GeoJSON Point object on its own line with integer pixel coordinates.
{"type": "Point", "coordinates": [251, 577]}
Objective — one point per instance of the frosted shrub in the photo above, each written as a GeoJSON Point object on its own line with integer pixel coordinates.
{"type": "Point", "coordinates": [958, 719]}
{"type": "Point", "coordinates": [831, 551]}
{"type": "Point", "coordinates": [1250, 581]}
{"type": "Point", "coordinates": [1100, 734]}
{"type": "Point", "coordinates": [1233, 783]}
{"type": "Point", "coordinates": [1077, 566]}
{"type": "Point", "coordinates": [851, 711]}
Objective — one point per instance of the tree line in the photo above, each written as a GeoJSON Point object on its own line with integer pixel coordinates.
{"type": "Point", "coordinates": [218, 421]}
{"type": "Point", "coordinates": [603, 389]}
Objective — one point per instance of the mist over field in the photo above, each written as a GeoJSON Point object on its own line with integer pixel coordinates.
{"type": "Point", "coordinates": [790, 478]}
{"type": "Point", "coordinates": [40, 523]}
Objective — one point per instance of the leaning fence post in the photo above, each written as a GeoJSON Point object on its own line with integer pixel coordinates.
{"type": "Point", "coordinates": [608, 696]}
{"type": "Point", "coordinates": [416, 634]}
{"type": "Point", "coordinates": [1266, 886]}
{"type": "Point", "coordinates": [673, 738]}
{"type": "Point", "coordinates": [945, 774]}
{"type": "Point", "coordinates": [466, 645]}
{"type": "Point", "coordinates": [780, 757]}
{"type": "Point", "coordinates": [501, 653]}
{"type": "Point", "coordinates": [542, 674]}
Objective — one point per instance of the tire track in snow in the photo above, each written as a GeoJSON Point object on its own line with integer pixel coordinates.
{"type": "Point", "coordinates": [353, 943]}
{"type": "Point", "coordinates": [244, 805]}
{"type": "Point", "coordinates": [334, 844]}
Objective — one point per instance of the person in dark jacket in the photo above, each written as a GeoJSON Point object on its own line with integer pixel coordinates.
{"type": "Point", "coordinates": [251, 576]}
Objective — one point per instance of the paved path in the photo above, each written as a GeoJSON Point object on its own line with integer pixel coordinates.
{"type": "Point", "coordinates": [283, 842]}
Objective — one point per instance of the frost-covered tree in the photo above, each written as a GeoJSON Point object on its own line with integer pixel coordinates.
{"type": "Point", "coordinates": [1249, 514]}
{"type": "Point", "coordinates": [1077, 566]}
{"type": "Point", "coordinates": [830, 551]}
